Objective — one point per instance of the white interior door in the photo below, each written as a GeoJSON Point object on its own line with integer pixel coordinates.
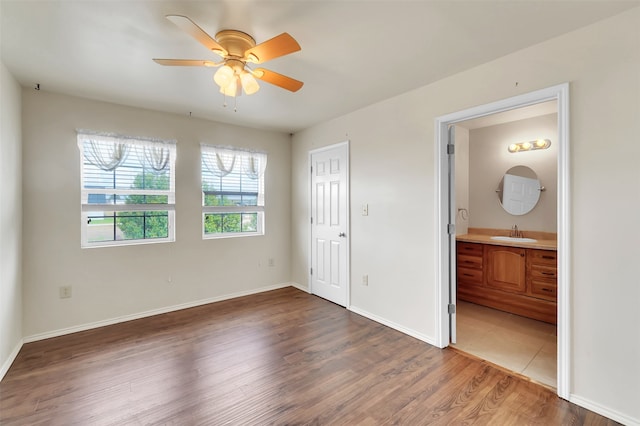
{"type": "Point", "coordinates": [329, 223]}
{"type": "Point", "coordinates": [452, 211]}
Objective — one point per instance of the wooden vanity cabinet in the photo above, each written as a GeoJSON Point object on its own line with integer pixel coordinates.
{"type": "Point", "coordinates": [512, 279]}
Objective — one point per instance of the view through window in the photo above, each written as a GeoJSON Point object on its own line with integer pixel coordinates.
{"type": "Point", "coordinates": [128, 189]}
{"type": "Point", "coordinates": [232, 191]}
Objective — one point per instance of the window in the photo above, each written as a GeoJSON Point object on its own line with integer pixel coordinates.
{"type": "Point", "coordinates": [232, 192]}
{"type": "Point", "coordinates": [128, 189]}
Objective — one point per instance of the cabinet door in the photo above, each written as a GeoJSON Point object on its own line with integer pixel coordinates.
{"type": "Point", "coordinates": [505, 268]}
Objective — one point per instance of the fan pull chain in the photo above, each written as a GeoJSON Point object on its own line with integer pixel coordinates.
{"type": "Point", "coordinates": [235, 102]}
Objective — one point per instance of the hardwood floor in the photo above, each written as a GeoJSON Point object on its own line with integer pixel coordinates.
{"type": "Point", "coordinates": [281, 357]}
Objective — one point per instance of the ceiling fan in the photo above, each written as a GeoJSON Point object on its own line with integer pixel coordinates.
{"type": "Point", "coordinates": [237, 49]}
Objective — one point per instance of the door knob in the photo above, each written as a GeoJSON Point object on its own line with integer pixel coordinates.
{"type": "Point", "coordinates": [342, 234]}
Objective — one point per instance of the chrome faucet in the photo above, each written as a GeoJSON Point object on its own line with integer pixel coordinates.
{"type": "Point", "coordinates": [515, 233]}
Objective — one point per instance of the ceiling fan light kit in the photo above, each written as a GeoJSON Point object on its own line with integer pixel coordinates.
{"type": "Point", "coordinates": [238, 48]}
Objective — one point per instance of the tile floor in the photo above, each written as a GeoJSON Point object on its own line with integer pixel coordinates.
{"type": "Point", "coordinates": [523, 345]}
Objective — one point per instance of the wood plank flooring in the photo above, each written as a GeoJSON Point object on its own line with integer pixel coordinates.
{"type": "Point", "coordinates": [280, 357]}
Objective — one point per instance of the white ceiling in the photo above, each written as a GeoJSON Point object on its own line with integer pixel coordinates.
{"type": "Point", "coordinates": [354, 53]}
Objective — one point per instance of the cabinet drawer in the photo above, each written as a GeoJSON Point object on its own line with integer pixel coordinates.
{"type": "Point", "coordinates": [469, 248]}
{"type": "Point", "coordinates": [544, 271]}
{"type": "Point", "coordinates": [471, 276]}
{"type": "Point", "coordinates": [544, 289]}
{"type": "Point", "coordinates": [546, 257]}
{"type": "Point", "coordinates": [466, 261]}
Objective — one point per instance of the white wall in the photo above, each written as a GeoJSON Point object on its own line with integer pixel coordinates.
{"type": "Point", "coordinates": [114, 282]}
{"type": "Point", "coordinates": [392, 169]}
{"type": "Point", "coordinates": [10, 220]}
{"type": "Point", "coordinates": [489, 161]}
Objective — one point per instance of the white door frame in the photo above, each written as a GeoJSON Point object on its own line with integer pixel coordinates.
{"type": "Point", "coordinates": [560, 93]}
{"type": "Point", "coordinates": [348, 224]}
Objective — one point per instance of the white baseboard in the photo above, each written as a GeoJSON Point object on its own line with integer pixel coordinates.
{"type": "Point", "coordinates": [604, 411]}
{"type": "Point", "coordinates": [164, 310]}
{"type": "Point", "coordinates": [427, 339]}
{"type": "Point", "coordinates": [300, 287]}
{"type": "Point", "coordinates": [12, 357]}
{"type": "Point", "coordinates": [583, 402]}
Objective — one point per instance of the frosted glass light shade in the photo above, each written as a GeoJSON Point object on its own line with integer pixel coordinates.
{"type": "Point", "coordinates": [232, 88]}
{"type": "Point", "coordinates": [249, 84]}
{"type": "Point", "coordinates": [224, 76]}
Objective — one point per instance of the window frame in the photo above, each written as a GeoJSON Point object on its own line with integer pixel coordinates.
{"type": "Point", "coordinates": [86, 208]}
{"type": "Point", "coordinates": [259, 208]}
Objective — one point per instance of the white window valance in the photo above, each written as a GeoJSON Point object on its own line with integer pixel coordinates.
{"type": "Point", "coordinates": [221, 161]}
{"type": "Point", "coordinates": [109, 151]}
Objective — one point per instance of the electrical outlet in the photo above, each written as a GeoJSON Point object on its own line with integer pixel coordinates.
{"type": "Point", "coordinates": [65, 292]}
{"type": "Point", "coordinates": [365, 280]}
{"type": "Point", "coordinates": [271, 262]}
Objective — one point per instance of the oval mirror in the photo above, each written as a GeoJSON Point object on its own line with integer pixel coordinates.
{"type": "Point", "coordinates": [519, 190]}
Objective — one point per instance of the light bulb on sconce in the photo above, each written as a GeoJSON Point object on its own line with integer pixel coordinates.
{"type": "Point", "coordinates": [529, 146]}
{"type": "Point", "coordinates": [542, 143]}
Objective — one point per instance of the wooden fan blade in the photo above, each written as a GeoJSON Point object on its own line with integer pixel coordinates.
{"type": "Point", "coordinates": [278, 46]}
{"type": "Point", "coordinates": [187, 62]}
{"type": "Point", "coordinates": [278, 79]}
{"type": "Point", "coordinates": [191, 28]}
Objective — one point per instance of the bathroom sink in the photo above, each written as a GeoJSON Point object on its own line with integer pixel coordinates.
{"type": "Point", "coordinates": [514, 239]}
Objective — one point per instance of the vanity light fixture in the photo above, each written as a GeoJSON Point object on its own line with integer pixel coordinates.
{"type": "Point", "coordinates": [529, 146]}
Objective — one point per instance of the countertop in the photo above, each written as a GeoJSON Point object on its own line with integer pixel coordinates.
{"type": "Point", "coordinates": [545, 240]}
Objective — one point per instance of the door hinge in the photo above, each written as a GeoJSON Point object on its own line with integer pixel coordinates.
{"type": "Point", "coordinates": [451, 228]}
{"type": "Point", "coordinates": [311, 271]}
{"type": "Point", "coordinates": [311, 169]}
{"type": "Point", "coordinates": [312, 221]}
{"type": "Point", "coordinates": [451, 308]}
{"type": "Point", "coordinates": [451, 149]}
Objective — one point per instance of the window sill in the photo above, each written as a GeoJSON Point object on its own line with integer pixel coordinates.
{"type": "Point", "coordinates": [230, 235]}
{"type": "Point", "coordinates": [126, 243]}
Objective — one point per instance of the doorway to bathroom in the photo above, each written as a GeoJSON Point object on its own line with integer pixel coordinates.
{"type": "Point", "coordinates": [496, 306]}
{"type": "Point", "coordinates": [505, 187]}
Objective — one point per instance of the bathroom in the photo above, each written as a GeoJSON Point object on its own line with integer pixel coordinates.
{"type": "Point", "coordinates": [500, 325]}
